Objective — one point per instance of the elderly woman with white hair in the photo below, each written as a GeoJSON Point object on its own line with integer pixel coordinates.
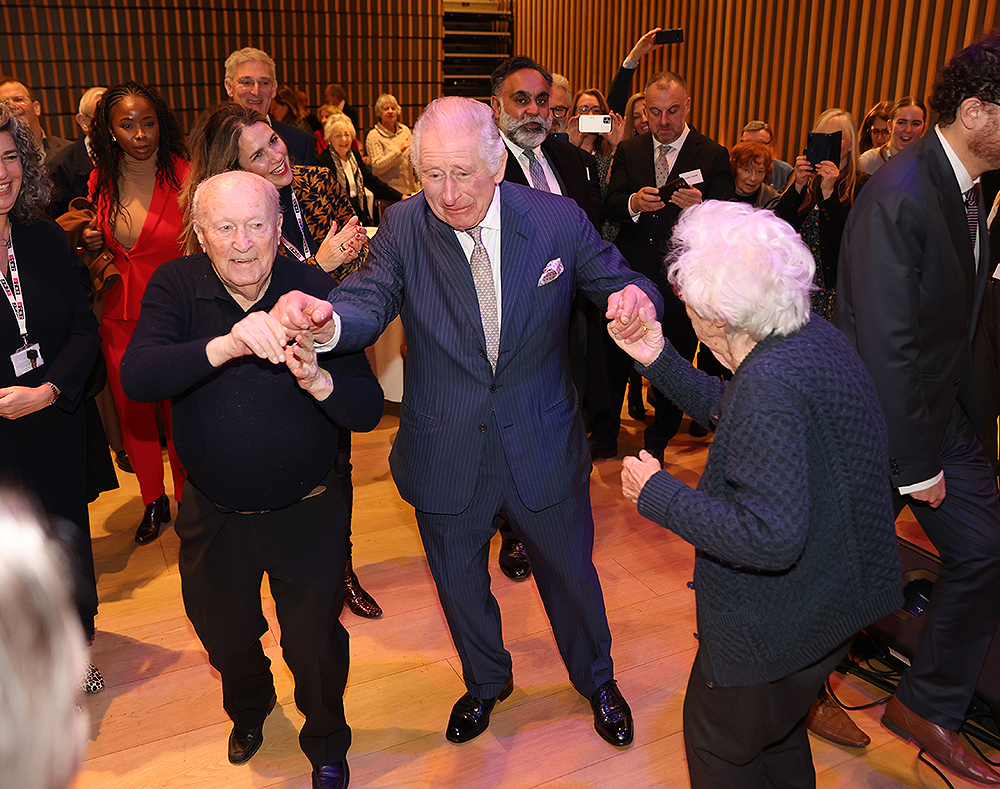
{"type": "Point", "coordinates": [388, 146]}
{"type": "Point", "coordinates": [792, 520]}
{"type": "Point", "coordinates": [353, 175]}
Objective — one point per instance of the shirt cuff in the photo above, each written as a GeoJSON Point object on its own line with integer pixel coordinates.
{"type": "Point", "coordinates": [329, 345]}
{"type": "Point", "coordinates": [919, 486]}
{"type": "Point", "coordinates": [631, 65]}
{"type": "Point", "coordinates": [631, 213]}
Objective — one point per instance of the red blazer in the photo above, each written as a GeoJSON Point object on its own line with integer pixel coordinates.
{"type": "Point", "coordinates": [159, 241]}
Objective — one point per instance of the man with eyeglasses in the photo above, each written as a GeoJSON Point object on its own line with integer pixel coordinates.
{"type": "Point", "coordinates": [251, 81]}
{"type": "Point", "coordinates": [560, 103]}
{"type": "Point", "coordinates": [761, 131]}
{"type": "Point", "coordinates": [28, 109]}
{"type": "Point", "coordinates": [669, 151]}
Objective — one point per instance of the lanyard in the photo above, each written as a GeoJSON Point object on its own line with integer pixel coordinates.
{"type": "Point", "coordinates": [302, 229]}
{"type": "Point", "coordinates": [15, 297]}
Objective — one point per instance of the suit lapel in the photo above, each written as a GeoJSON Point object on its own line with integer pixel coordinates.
{"type": "Point", "coordinates": [686, 156]}
{"type": "Point", "coordinates": [516, 237]}
{"type": "Point", "coordinates": [448, 256]}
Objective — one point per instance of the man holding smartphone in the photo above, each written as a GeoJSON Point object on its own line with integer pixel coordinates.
{"type": "Point", "coordinates": [654, 177]}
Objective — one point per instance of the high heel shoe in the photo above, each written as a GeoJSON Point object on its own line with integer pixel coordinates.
{"type": "Point", "coordinates": [157, 513]}
{"type": "Point", "coordinates": [356, 598]}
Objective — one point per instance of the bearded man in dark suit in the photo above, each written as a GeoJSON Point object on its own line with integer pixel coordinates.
{"type": "Point", "coordinates": [671, 149]}
{"type": "Point", "coordinates": [913, 268]}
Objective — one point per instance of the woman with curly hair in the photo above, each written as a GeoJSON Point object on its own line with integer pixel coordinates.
{"type": "Point", "coordinates": [319, 226]}
{"type": "Point", "coordinates": [49, 333]}
{"type": "Point", "coordinates": [140, 169]}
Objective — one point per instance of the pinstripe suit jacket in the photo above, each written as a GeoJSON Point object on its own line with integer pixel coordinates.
{"type": "Point", "coordinates": [417, 269]}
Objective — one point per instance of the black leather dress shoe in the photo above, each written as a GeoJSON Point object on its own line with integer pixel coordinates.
{"type": "Point", "coordinates": [612, 716]}
{"type": "Point", "coordinates": [244, 744]}
{"type": "Point", "coordinates": [513, 560]}
{"type": "Point", "coordinates": [122, 461]}
{"type": "Point", "coordinates": [331, 776]}
{"type": "Point", "coordinates": [356, 598]}
{"type": "Point", "coordinates": [470, 716]}
{"type": "Point", "coordinates": [156, 514]}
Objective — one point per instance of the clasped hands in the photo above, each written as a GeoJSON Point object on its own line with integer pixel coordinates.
{"type": "Point", "coordinates": [272, 336]}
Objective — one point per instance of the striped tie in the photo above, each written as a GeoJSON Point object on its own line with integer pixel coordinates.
{"type": "Point", "coordinates": [482, 277]}
{"type": "Point", "coordinates": [972, 212]}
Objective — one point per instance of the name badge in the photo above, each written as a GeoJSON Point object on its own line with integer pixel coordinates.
{"type": "Point", "coordinates": [27, 359]}
{"type": "Point", "coordinates": [693, 177]}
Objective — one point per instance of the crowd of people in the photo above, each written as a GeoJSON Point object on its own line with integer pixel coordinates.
{"type": "Point", "coordinates": [233, 288]}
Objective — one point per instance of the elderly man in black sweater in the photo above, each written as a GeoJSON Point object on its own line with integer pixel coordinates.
{"type": "Point", "coordinates": [255, 424]}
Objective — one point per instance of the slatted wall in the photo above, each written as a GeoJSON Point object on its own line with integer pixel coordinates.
{"type": "Point", "coordinates": [784, 61]}
{"type": "Point", "coordinates": [62, 47]}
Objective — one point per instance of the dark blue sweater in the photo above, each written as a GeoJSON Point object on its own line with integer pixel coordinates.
{"type": "Point", "coordinates": [792, 519]}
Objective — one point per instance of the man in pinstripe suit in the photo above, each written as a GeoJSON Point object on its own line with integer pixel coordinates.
{"type": "Point", "coordinates": [483, 274]}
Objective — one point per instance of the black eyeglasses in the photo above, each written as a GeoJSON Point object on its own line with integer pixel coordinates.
{"type": "Point", "coordinates": [558, 112]}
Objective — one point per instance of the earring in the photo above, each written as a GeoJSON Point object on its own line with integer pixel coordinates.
{"type": "Point", "coordinates": [113, 138]}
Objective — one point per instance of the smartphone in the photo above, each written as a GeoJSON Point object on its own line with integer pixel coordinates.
{"type": "Point", "coordinates": [668, 189]}
{"type": "Point", "coordinates": [675, 36]}
{"type": "Point", "coordinates": [601, 124]}
{"type": "Point", "coordinates": [559, 136]}
{"type": "Point", "coordinates": [822, 147]}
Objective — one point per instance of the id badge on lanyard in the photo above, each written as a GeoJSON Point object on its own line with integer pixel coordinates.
{"type": "Point", "coordinates": [29, 356]}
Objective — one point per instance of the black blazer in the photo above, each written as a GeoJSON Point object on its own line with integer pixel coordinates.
{"type": "Point", "coordinates": [301, 144]}
{"type": "Point", "coordinates": [577, 171]}
{"type": "Point", "coordinates": [70, 169]}
{"type": "Point", "coordinates": [644, 243]}
{"type": "Point", "coordinates": [908, 296]}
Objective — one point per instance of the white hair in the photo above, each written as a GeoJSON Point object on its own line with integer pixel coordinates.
{"type": "Point", "coordinates": [249, 55]}
{"type": "Point", "coordinates": [248, 181]}
{"type": "Point", "coordinates": [338, 119]}
{"type": "Point", "coordinates": [461, 117]}
{"type": "Point", "coordinates": [89, 99]}
{"type": "Point", "coordinates": [42, 733]}
{"type": "Point", "coordinates": [742, 265]}
{"type": "Point", "coordinates": [383, 101]}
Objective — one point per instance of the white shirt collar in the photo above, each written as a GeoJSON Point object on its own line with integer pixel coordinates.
{"type": "Point", "coordinates": [965, 182]}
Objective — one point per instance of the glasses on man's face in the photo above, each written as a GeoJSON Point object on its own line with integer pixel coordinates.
{"type": "Point", "coordinates": [24, 101]}
{"type": "Point", "coordinates": [558, 111]}
{"type": "Point", "coordinates": [264, 83]}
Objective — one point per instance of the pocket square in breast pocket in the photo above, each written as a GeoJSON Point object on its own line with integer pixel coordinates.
{"type": "Point", "coordinates": [552, 270]}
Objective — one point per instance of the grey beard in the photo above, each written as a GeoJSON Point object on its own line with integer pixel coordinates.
{"type": "Point", "coordinates": [517, 134]}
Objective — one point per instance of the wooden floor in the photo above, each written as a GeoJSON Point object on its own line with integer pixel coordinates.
{"type": "Point", "coordinates": [160, 723]}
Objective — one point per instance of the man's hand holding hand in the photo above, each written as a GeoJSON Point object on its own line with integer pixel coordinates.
{"type": "Point", "coordinates": [258, 334]}
{"type": "Point", "coordinates": [297, 311]}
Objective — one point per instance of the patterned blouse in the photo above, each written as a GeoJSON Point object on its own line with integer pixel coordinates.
{"type": "Point", "coordinates": [322, 200]}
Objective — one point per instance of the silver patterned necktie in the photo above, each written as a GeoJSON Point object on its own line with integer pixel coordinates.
{"type": "Point", "coordinates": [661, 166]}
{"type": "Point", "coordinates": [535, 171]}
{"type": "Point", "coordinates": [482, 277]}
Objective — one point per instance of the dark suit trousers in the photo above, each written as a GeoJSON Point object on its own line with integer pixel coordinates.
{"type": "Point", "coordinates": [755, 736]}
{"type": "Point", "coordinates": [560, 542]}
{"type": "Point", "coordinates": [964, 610]}
{"type": "Point", "coordinates": [223, 558]}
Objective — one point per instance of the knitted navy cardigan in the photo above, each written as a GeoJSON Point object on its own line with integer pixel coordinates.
{"type": "Point", "coordinates": [792, 520]}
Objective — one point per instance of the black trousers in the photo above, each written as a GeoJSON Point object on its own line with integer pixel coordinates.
{"type": "Point", "coordinates": [964, 610]}
{"type": "Point", "coordinates": [560, 541]}
{"type": "Point", "coordinates": [753, 736]}
{"type": "Point", "coordinates": [223, 558]}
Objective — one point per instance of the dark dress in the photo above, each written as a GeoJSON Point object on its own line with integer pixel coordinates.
{"type": "Point", "coordinates": [46, 452]}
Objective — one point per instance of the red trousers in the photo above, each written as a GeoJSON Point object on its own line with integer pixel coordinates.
{"type": "Point", "coordinates": [138, 420]}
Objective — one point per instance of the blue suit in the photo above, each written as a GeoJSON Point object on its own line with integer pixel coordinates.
{"type": "Point", "coordinates": [472, 441]}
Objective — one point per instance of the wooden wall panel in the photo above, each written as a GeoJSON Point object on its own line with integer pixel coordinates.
{"type": "Point", "coordinates": [62, 47]}
{"type": "Point", "coordinates": [784, 61]}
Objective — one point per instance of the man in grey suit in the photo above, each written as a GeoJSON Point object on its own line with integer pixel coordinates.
{"type": "Point", "coordinates": [483, 273]}
{"type": "Point", "coordinates": [913, 267]}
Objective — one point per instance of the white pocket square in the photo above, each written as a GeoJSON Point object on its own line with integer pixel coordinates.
{"type": "Point", "coordinates": [552, 270]}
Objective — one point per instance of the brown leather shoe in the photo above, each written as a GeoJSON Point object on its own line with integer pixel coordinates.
{"type": "Point", "coordinates": [830, 721]}
{"type": "Point", "coordinates": [942, 744]}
